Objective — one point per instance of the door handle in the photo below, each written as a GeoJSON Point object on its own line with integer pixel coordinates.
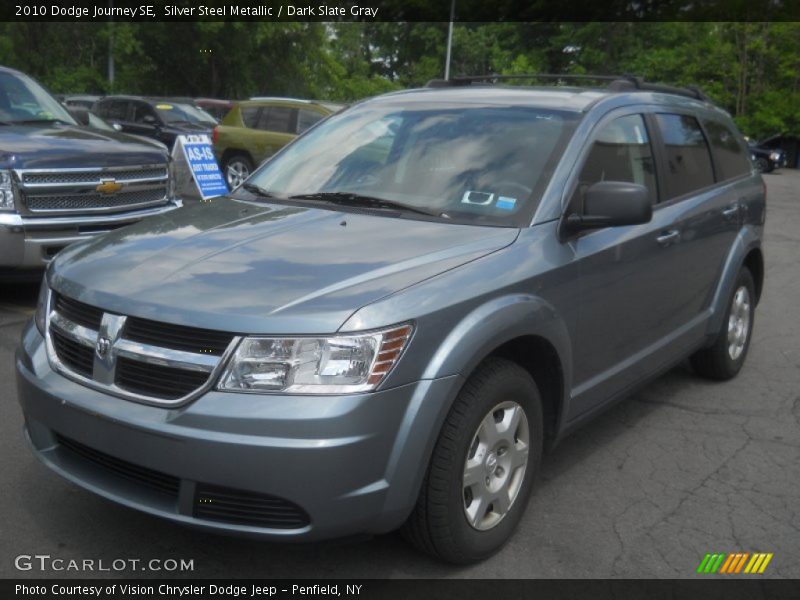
{"type": "Point", "coordinates": [668, 238]}
{"type": "Point", "coordinates": [730, 212]}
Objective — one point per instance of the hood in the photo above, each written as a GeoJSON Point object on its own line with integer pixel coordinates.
{"type": "Point", "coordinates": [263, 268]}
{"type": "Point", "coordinates": [65, 146]}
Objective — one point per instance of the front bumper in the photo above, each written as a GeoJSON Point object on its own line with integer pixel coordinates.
{"type": "Point", "coordinates": [27, 244]}
{"type": "Point", "coordinates": [353, 464]}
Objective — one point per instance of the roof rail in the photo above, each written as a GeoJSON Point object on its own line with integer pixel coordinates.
{"type": "Point", "coordinates": [617, 83]}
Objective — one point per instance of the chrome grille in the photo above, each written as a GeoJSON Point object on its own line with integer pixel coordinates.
{"type": "Point", "coordinates": [88, 191]}
{"type": "Point", "coordinates": [94, 201]}
{"type": "Point", "coordinates": [91, 176]}
{"type": "Point", "coordinates": [142, 360]}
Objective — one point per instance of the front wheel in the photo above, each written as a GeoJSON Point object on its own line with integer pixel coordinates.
{"type": "Point", "coordinates": [724, 359]}
{"type": "Point", "coordinates": [483, 466]}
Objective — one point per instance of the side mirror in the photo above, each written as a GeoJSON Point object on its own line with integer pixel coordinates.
{"type": "Point", "coordinates": [149, 120]}
{"type": "Point", "coordinates": [612, 204]}
{"type": "Point", "coordinates": [116, 126]}
{"type": "Point", "coordinates": [80, 114]}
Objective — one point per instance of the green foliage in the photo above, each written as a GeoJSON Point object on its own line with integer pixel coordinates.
{"type": "Point", "coordinates": [751, 69]}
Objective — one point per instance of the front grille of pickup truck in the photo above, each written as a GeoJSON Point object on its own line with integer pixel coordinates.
{"type": "Point", "coordinates": [94, 201]}
{"type": "Point", "coordinates": [139, 359]}
{"type": "Point", "coordinates": [88, 191]}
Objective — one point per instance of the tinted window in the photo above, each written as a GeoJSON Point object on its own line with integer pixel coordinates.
{"type": "Point", "coordinates": [250, 115]}
{"type": "Point", "coordinates": [306, 118]}
{"type": "Point", "coordinates": [621, 152]}
{"type": "Point", "coordinates": [688, 159]}
{"type": "Point", "coordinates": [142, 110]}
{"type": "Point", "coordinates": [276, 118]}
{"type": "Point", "coordinates": [729, 150]}
{"type": "Point", "coordinates": [115, 109]}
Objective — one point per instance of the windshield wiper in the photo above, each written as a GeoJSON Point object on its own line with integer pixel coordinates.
{"type": "Point", "coordinates": [258, 190]}
{"type": "Point", "coordinates": [353, 199]}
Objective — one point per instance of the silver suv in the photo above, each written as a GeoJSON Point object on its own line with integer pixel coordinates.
{"type": "Point", "coordinates": [392, 318]}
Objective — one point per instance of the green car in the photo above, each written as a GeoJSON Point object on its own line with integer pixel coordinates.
{"type": "Point", "coordinates": [255, 129]}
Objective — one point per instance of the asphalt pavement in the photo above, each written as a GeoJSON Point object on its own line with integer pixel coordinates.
{"type": "Point", "coordinates": [682, 468]}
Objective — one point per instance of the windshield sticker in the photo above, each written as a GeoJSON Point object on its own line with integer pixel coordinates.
{"type": "Point", "coordinates": [479, 198]}
{"type": "Point", "coordinates": [164, 106]}
{"type": "Point", "coordinates": [506, 203]}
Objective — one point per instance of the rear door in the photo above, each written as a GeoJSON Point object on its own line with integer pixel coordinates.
{"type": "Point", "coordinates": [628, 307]}
{"type": "Point", "coordinates": [705, 167]}
{"type": "Point", "coordinates": [277, 126]}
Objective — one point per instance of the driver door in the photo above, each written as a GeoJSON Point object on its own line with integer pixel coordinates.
{"type": "Point", "coordinates": [628, 275]}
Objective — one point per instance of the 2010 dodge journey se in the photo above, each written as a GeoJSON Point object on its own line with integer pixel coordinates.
{"type": "Point", "coordinates": [394, 316]}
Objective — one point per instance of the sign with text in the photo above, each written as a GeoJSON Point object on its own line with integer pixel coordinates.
{"type": "Point", "coordinates": [203, 165]}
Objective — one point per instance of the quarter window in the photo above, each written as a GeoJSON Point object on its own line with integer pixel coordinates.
{"type": "Point", "coordinates": [250, 116]}
{"type": "Point", "coordinates": [687, 155]}
{"type": "Point", "coordinates": [729, 150]}
{"type": "Point", "coordinates": [306, 118]}
{"type": "Point", "coordinates": [621, 152]}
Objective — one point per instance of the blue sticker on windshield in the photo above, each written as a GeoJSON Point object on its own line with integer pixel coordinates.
{"type": "Point", "coordinates": [506, 203]}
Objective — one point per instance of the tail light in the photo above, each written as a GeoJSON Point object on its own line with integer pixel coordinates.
{"type": "Point", "coordinates": [214, 135]}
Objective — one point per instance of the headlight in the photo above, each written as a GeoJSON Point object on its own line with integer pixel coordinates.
{"type": "Point", "coordinates": [7, 191]}
{"type": "Point", "coordinates": [774, 156]}
{"type": "Point", "coordinates": [334, 365]}
{"type": "Point", "coordinates": [42, 306]}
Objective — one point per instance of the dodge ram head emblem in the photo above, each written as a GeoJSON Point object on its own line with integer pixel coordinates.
{"type": "Point", "coordinates": [108, 186]}
{"type": "Point", "coordinates": [102, 346]}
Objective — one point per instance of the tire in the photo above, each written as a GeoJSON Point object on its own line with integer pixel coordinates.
{"type": "Point", "coordinates": [236, 169]}
{"type": "Point", "coordinates": [762, 165]}
{"type": "Point", "coordinates": [724, 359]}
{"type": "Point", "coordinates": [439, 522]}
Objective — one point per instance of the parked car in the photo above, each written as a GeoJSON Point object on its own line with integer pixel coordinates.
{"type": "Point", "coordinates": [89, 119]}
{"type": "Point", "coordinates": [392, 318]}
{"type": "Point", "coordinates": [257, 128]}
{"type": "Point", "coordinates": [80, 101]}
{"type": "Point", "coordinates": [156, 118]}
{"type": "Point", "coordinates": [61, 182]}
{"type": "Point", "coordinates": [766, 160]}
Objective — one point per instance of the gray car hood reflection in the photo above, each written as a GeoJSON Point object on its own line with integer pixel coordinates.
{"type": "Point", "coordinates": [256, 268]}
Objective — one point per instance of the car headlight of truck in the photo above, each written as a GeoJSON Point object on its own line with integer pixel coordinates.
{"type": "Point", "coordinates": [7, 191]}
{"type": "Point", "coordinates": [345, 363]}
{"type": "Point", "coordinates": [42, 305]}
{"type": "Point", "coordinates": [774, 156]}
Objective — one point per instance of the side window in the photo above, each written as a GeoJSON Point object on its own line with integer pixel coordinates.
{"type": "Point", "coordinates": [306, 118]}
{"type": "Point", "coordinates": [278, 119]}
{"type": "Point", "coordinates": [621, 152]}
{"type": "Point", "coordinates": [142, 110]}
{"type": "Point", "coordinates": [688, 158]}
{"type": "Point", "coordinates": [729, 150]}
{"type": "Point", "coordinates": [250, 115]}
{"type": "Point", "coordinates": [119, 110]}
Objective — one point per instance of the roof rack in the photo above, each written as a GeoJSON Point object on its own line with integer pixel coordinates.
{"type": "Point", "coordinates": [617, 83]}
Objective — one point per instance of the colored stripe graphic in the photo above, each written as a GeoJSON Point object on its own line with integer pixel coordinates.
{"type": "Point", "coordinates": [734, 563]}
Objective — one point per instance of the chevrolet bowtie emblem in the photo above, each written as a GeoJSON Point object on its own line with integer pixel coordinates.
{"type": "Point", "coordinates": [108, 186]}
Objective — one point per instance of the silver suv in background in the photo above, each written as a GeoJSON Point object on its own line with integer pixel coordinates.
{"type": "Point", "coordinates": [388, 323]}
{"type": "Point", "coordinates": [61, 182]}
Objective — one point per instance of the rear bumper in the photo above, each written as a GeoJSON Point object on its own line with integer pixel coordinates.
{"type": "Point", "coordinates": [352, 464]}
{"type": "Point", "coordinates": [27, 244]}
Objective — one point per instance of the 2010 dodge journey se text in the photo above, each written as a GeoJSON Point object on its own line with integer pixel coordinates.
{"type": "Point", "coordinates": [392, 318]}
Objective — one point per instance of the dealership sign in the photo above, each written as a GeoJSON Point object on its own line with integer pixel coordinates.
{"type": "Point", "coordinates": [196, 150]}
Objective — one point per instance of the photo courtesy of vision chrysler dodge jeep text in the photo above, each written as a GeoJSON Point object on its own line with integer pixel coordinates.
{"type": "Point", "coordinates": [388, 323]}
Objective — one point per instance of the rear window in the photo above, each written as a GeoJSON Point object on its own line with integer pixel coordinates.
{"type": "Point", "coordinates": [729, 150]}
{"type": "Point", "coordinates": [688, 158]}
{"type": "Point", "coordinates": [277, 119]}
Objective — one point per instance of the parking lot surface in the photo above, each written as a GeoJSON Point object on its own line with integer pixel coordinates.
{"type": "Point", "coordinates": [679, 469]}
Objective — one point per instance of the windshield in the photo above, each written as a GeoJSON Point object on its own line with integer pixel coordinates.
{"type": "Point", "coordinates": [24, 100]}
{"type": "Point", "coordinates": [174, 113]}
{"type": "Point", "coordinates": [467, 163]}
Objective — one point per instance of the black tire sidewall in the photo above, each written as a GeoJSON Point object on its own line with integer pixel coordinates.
{"type": "Point", "coordinates": [518, 386]}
